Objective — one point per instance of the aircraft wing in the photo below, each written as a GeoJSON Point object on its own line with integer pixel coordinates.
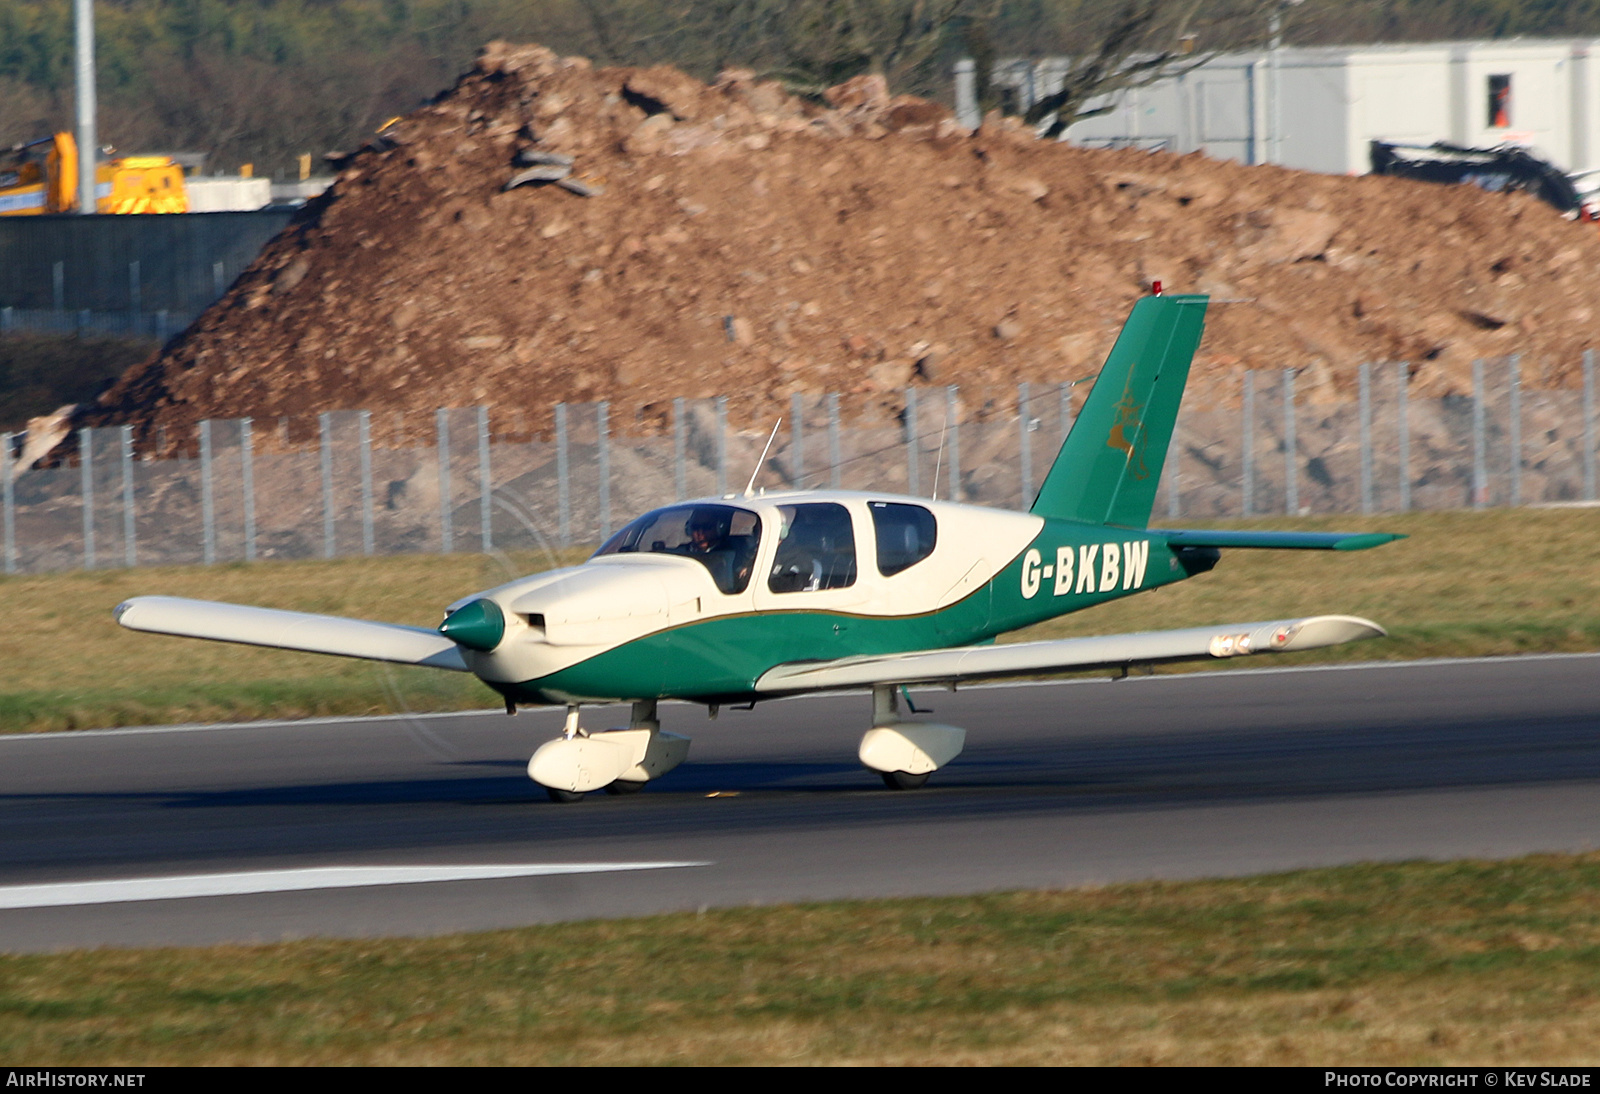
{"type": "Point", "coordinates": [1069, 654]}
{"type": "Point", "coordinates": [290, 630]}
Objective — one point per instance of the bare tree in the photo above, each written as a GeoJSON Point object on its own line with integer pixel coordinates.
{"type": "Point", "coordinates": [28, 113]}
{"type": "Point", "coordinates": [1128, 44]}
{"type": "Point", "coordinates": [822, 42]}
{"type": "Point", "coordinates": [808, 44]}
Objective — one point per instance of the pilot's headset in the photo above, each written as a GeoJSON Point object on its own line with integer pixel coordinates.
{"type": "Point", "coordinates": [711, 521]}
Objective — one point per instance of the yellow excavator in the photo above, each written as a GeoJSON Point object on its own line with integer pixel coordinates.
{"type": "Point", "coordinates": [42, 177]}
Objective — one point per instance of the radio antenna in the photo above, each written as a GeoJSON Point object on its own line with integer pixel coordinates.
{"type": "Point", "coordinates": [751, 485]}
{"type": "Point", "coordinates": [939, 461]}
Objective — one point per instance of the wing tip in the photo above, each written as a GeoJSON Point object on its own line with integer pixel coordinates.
{"type": "Point", "coordinates": [1361, 541]}
{"type": "Point", "coordinates": [1317, 631]}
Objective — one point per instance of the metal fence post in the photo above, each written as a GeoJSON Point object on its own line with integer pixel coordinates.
{"type": "Point", "coordinates": [6, 319]}
{"type": "Point", "coordinates": [86, 471]}
{"type": "Point", "coordinates": [9, 502]}
{"type": "Point", "coordinates": [217, 283]}
{"type": "Point", "coordinates": [1291, 455]}
{"type": "Point", "coordinates": [1402, 414]}
{"type": "Point", "coordinates": [1247, 445]}
{"type": "Point", "coordinates": [247, 486]}
{"type": "Point", "coordinates": [447, 537]}
{"type": "Point", "coordinates": [1588, 424]}
{"type": "Point", "coordinates": [602, 425]}
{"type": "Point", "coordinates": [1364, 382]}
{"type": "Point", "coordinates": [1480, 473]}
{"type": "Point", "coordinates": [208, 501]}
{"type": "Point", "coordinates": [58, 285]}
{"type": "Point", "coordinates": [680, 442]}
{"type": "Point", "coordinates": [722, 445]}
{"type": "Point", "coordinates": [485, 482]}
{"type": "Point", "coordinates": [135, 289]}
{"type": "Point", "coordinates": [835, 472]}
{"type": "Point", "coordinates": [797, 440]}
{"type": "Point", "coordinates": [130, 551]}
{"type": "Point", "coordinates": [954, 425]}
{"type": "Point", "coordinates": [563, 499]}
{"type": "Point", "coordinates": [1065, 395]}
{"type": "Point", "coordinates": [1514, 425]}
{"type": "Point", "coordinates": [325, 435]}
{"type": "Point", "coordinates": [1024, 447]}
{"type": "Point", "coordinates": [364, 429]}
{"type": "Point", "coordinates": [913, 472]}
{"type": "Point", "coordinates": [161, 326]}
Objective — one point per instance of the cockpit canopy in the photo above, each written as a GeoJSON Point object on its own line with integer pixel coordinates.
{"type": "Point", "coordinates": [722, 538]}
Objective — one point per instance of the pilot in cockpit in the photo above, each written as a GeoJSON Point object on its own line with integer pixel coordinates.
{"type": "Point", "coordinates": [708, 532]}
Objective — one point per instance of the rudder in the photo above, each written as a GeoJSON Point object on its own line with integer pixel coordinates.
{"type": "Point", "coordinates": [1110, 464]}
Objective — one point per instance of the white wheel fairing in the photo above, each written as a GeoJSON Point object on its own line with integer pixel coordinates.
{"type": "Point", "coordinates": [581, 764]}
{"type": "Point", "coordinates": [915, 748]}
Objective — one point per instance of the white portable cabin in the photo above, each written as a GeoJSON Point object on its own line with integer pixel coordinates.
{"type": "Point", "coordinates": [1317, 109]}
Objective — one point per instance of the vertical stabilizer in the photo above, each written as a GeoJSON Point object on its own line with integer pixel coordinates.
{"type": "Point", "coordinates": [1109, 466]}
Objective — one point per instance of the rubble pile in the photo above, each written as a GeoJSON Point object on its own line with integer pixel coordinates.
{"type": "Point", "coordinates": [547, 231]}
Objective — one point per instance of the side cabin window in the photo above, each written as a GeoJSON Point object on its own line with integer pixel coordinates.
{"type": "Point", "coordinates": [906, 535]}
{"type": "Point", "coordinates": [721, 538]}
{"type": "Point", "coordinates": [816, 549]}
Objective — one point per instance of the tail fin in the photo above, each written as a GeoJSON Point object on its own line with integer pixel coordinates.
{"type": "Point", "coordinates": [1110, 464]}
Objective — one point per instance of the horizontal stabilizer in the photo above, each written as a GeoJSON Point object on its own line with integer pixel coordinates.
{"type": "Point", "coordinates": [1070, 654]}
{"type": "Point", "coordinates": [1282, 541]}
{"type": "Point", "coordinates": [290, 631]}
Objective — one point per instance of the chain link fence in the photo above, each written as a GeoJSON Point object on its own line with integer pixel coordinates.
{"type": "Point", "coordinates": [472, 479]}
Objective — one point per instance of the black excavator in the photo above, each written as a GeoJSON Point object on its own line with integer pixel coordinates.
{"type": "Point", "coordinates": [1503, 167]}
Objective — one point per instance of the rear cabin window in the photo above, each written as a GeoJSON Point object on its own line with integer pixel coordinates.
{"type": "Point", "coordinates": [719, 537]}
{"type": "Point", "coordinates": [816, 549]}
{"type": "Point", "coordinates": [906, 535]}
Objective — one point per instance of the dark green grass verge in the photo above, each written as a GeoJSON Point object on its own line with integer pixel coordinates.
{"type": "Point", "coordinates": [1463, 962]}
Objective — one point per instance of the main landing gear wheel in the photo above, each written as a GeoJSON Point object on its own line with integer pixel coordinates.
{"type": "Point", "coordinates": [625, 786]}
{"type": "Point", "coordinates": [900, 780]}
{"type": "Point", "coordinates": [566, 797]}
{"type": "Point", "coordinates": [896, 749]}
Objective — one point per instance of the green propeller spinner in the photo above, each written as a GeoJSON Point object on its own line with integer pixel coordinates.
{"type": "Point", "coordinates": [478, 626]}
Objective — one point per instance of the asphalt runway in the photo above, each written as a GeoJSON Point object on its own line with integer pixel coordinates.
{"type": "Point", "coordinates": [1062, 784]}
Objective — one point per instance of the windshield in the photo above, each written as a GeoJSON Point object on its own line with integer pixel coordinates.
{"type": "Point", "coordinates": [719, 537]}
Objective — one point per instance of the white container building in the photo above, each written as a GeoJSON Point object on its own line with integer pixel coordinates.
{"type": "Point", "coordinates": [1317, 109]}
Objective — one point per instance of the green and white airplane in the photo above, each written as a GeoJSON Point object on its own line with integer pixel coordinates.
{"type": "Point", "coordinates": [759, 595]}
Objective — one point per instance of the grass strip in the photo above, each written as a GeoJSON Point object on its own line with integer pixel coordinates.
{"type": "Point", "coordinates": [1413, 963]}
{"type": "Point", "coordinates": [1465, 584]}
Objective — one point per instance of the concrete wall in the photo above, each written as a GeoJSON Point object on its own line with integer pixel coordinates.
{"type": "Point", "coordinates": [179, 262]}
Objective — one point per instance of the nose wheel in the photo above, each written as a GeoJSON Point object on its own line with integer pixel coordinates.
{"type": "Point", "coordinates": [618, 761]}
{"type": "Point", "coordinates": [904, 780]}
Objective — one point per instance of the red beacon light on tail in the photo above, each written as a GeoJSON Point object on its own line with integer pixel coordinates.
{"type": "Point", "coordinates": [1155, 288]}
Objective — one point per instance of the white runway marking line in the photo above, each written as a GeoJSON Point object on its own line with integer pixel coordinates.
{"type": "Point", "coordinates": [62, 894]}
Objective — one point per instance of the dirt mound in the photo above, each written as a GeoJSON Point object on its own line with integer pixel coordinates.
{"type": "Point", "coordinates": [739, 241]}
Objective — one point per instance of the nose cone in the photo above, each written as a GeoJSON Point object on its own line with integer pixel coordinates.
{"type": "Point", "coordinates": [478, 626]}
